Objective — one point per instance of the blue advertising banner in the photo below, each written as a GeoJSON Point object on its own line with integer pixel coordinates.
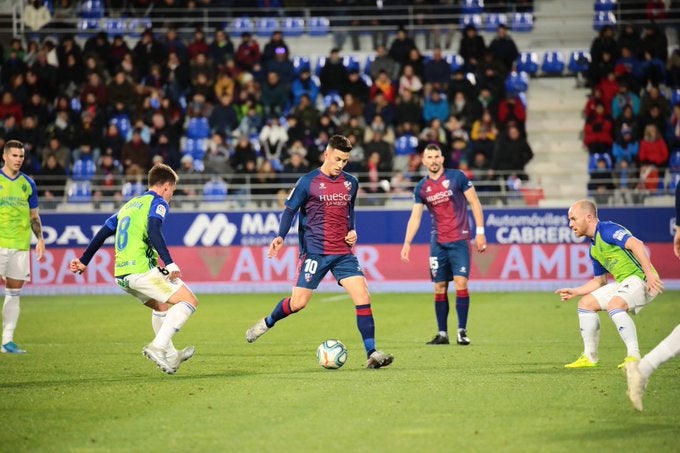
{"type": "Point", "coordinates": [503, 226]}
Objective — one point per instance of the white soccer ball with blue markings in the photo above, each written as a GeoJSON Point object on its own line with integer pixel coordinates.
{"type": "Point", "coordinates": [331, 354]}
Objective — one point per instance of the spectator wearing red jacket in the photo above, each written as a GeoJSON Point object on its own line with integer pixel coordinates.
{"type": "Point", "coordinates": [248, 53]}
{"type": "Point", "coordinates": [597, 134]}
{"type": "Point", "coordinates": [511, 109]}
{"type": "Point", "coordinates": [653, 149]}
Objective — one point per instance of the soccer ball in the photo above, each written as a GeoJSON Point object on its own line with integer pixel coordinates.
{"type": "Point", "coordinates": [331, 354]}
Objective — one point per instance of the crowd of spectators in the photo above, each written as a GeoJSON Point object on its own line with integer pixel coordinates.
{"type": "Point", "coordinates": [234, 115]}
{"type": "Point", "coordinates": [632, 117]}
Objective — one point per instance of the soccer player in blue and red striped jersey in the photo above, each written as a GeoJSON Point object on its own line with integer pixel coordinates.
{"type": "Point", "coordinates": [325, 198]}
{"type": "Point", "coordinates": [447, 194]}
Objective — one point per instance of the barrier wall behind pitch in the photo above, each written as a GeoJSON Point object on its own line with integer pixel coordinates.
{"type": "Point", "coordinates": [529, 250]}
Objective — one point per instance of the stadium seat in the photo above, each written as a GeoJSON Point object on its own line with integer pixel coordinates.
{"type": "Point", "coordinates": [320, 62]}
{"type": "Point", "coordinates": [604, 5]}
{"type": "Point", "coordinates": [318, 26]}
{"type": "Point", "coordinates": [579, 61]}
{"type": "Point", "coordinates": [137, 25]}
{"type": "Point", "coordinates": [79, 192]}
{"type": "Point", "coordinates": [522, 22]}
{"type": "Point", "coordinates": [351, 63]}
{"type": "Point", "coordinates": [602, 18]}
{"type": "Point", "coordinates": [331, 98]}
{"type": "Point", "coordinates": [406, 145]}
{"type": "Point", "coordinates": [115, 26]}
{"type": "Point", "coordinates": [198, 127]}
{"type": "Point", "coordinates": [675, 97]}
{"type": "Point", "coordinates": [122, 122]}
{"type": "Point", "coordinates": [293, 26]}
{"type": "Point", "coordinates": [367, 64]}
{"type": "Point", "coordinates": [674, 161]}
{"type": "Point", "coordinates": [455, 61]}
{"type": "Point", "coordinates": [528, 62]}
{"type": "Point", "coordinates": [242, 25]}
{"type": "Point", "coordinates": [215, 190]}
{"type": "Point", "coordinates": [92, 9]}
{"type": "Point", "coordinates": [75, 104]}
{"type": "Point", "coordinates": [594, 158]}
{"type": "Point", "coordinates": [132, 189]}
{"type": "Point", "coordinates": [517, 82]}
{"type": "Point", "coordinates": [493, 20]}
{"type": "Point", "coordinates": [84, 169]}
{"type": "Point", "coordinates": [367, 80]}
{"type": "Point", "coordinates": [471, 19]}
{"type": "Point", "coordinates": [300, 63]}
{"type": "Point", "coordinates": [472, 6]}
{"type": "Point", "coordinates": [265, 26]}
{"type": "Point", "coordinates": [87, 27]}
{"type": "Point", "coordinates": [553, 63]}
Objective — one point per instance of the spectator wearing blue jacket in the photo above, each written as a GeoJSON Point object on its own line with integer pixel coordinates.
{"type": "Point", "coordinates": [304, 84]}
{"type": "Point", "coordinates": [435, 107]}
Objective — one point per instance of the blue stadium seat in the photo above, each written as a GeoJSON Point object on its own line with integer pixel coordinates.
{"type": "Point", "coordinates": [49, 4]}
{"type": "Point", "coordinates": [367, 64]}
{"type": "Point", "coordinates": [293, 26]}
{"type": "Point", "coordinates": [351, 63]}
{"type": "Point", "coordinates": [75, 104]}
{"type": "Point", "coordinates": [522, 22]}
{"type": "Point", "coordinates": [318, 26]}
{"type": "Point", "coordinates": [602, 18]}
{"type": "Point", "coordinates": [79, 192]}
{"type": "Point", "coordinates": [455, 61]}
{"type": "Point", "coordinates": [198, 127]}
{"type": "Point", "coordinates": [579, 61]}
{"type": "Point", "coordinates": [132, 189]}
{"type": "Point", "coordinates": [122, 122]}
{"type": "Point", "coordinates": [675, 97]}
{"type": "Point", "coordinates": [528, 62]}
{"type": "Point", "coordinates": [265, 26]}
{"type": "Point", "coordinates": [674, 161]}
{"type": "Point", "coordinates": [300, 63]}
{"type": "Point", "coordinates": [406, 145]}
{"type": "Point", "coordinates": [115, 26]}
{"type": "Point", "coordinates": [320, 62]}
{"type": "Point", "coordinates": [84, 169]}
{"type": "Point", "coordinates": [604, 5]}
{"type": "Point", "coordinates": [592, 161]}
{"type": "Point", "coordinates": [472, 6]}
{"type": "Point", "coordinates": [194, 146]}
{"type": "Point", "coordinates": [553, 63]}
{"type": "Point", "coordinates": [87, 27]}
{"type": "Point", "coordinates": [332, 97]}
{"type": "Point", "coordinates": [517, 82]}
{"type": "Point", "coordinates": [471, 19]}
{"type": "Point", "coordinates": [493, 20]}
{"type": "Point", "coordinates": [242, 25]}
{"type": "Point", "coordinates": [137, 25]}
{"type": "Point", "coordinates": [92, 9]}
{"type": "Point", "coordinates": [215, 190]}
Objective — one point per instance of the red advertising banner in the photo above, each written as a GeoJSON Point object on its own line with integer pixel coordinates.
{"type": "Point", "coordinates": [524, 267]}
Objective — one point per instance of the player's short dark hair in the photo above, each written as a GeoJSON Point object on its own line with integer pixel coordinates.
{"type": "Point", "coordinates": [162, 173]}
{"type": "Point", "coordinates": [340, 142]}
{"type": "Point", "coordinates": [432, 147]}
{"type": "Point", "coordinates": [12, 144]}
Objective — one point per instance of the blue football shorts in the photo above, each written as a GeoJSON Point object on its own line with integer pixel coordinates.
{"type": "Point", "coordinates": [313, 268]}
{"type": "Point", "coordinates": [449, 259]}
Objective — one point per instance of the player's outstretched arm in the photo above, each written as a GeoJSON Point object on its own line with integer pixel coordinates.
{"type": "Point", "coordinates": [411, 229]}
{"type": "Point", "coordinates": [587, 288]}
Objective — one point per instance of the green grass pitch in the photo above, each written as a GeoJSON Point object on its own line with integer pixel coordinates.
{"type": "Point", "coordinates": [84, 386]}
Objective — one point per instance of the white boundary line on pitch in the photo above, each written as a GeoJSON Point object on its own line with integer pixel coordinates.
{"type": "Point", "coordinates": [334, 298]}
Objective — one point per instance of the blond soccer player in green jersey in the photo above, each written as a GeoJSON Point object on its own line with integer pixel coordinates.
{"type": "Point", "coordinates": [18, 219]}
{"type": "Point", "coordinates": [613, 250]}
{"type": "Point", "coordinates": [138, 244]}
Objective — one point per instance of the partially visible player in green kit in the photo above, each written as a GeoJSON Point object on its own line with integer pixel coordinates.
{"type": "Point", "coordinates": [18, 218]}
{"type": "Point", "coordinates": [139, 242]}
